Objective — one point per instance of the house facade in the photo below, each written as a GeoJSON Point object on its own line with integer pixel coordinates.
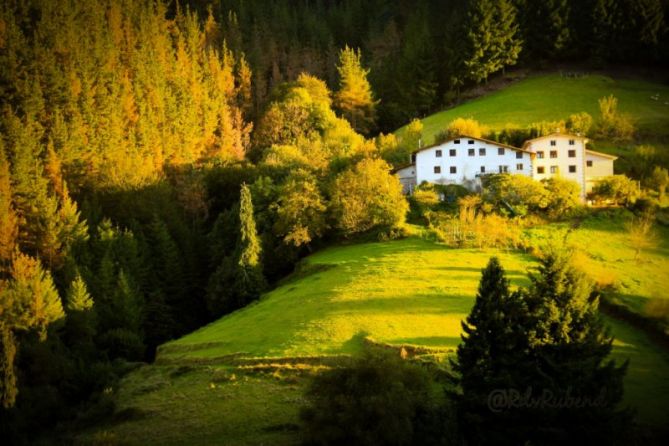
{"type": "Point", "coordinates": [465, 159]}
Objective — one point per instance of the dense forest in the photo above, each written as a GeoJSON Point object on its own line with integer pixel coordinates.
{"type": "Point", "coordinates": [161, 164]}
{"type": "Point", "coordinates": [421, 54]}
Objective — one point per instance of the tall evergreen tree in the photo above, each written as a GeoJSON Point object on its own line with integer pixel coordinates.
{"type": "Point", "coordinates": [493, 345]}
{"type": "Point", "coordinates": [249, 282]}
{"type": "Point", "coordinates": [546, 27]}
{"type": "Point", "coordinates": [8, 218]}
{"type": "Point", "coordinates": [8, 385]}
{"type": "Point", "coordinates": [354, 98]}
{"type": "Point", "coordinates": [478, 51]}
{"type": "Point", "coordinates": [548, 343]}
{"type": "Point", "coordinates": [507, 34]}
{"type": "Point", "coordinates": [238, 279]}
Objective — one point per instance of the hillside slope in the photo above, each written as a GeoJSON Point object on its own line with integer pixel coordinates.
{"type": "Point", "coordinates": [553, 97]}
{"type": "Point", "coordinates": [239, 380]}
{"type": "Point", "coordinates": [408, 291]}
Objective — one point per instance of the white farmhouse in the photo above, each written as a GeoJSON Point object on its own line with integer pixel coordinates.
{"type": "Point", "coordinates": [565, 156]}
{"type": "Point", "coordinates": [465, 159]}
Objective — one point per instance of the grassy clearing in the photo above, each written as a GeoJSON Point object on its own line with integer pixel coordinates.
{"type": "Point", "coordinates": [411, 291]}
{"type": "Point", "coordinates": [202, 406]}
{"type": "Point", "coordinates": [552, 97]}
{"type": "Point", "coordinates": [605, 252]}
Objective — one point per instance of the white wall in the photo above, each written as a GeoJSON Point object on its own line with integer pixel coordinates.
{"type": "Point", "coordinates": [601, 167]}
{"type": "Point", "coordinates": [563, 161]}
{"type": "Point", "coordinates": [407, 176]}
{"type": "Point", "coordinates": [467, 167]}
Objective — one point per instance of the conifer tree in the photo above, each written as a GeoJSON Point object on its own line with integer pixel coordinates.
{"type": "Point", "coordinates": [238, 279]}
{"type": "Point", "coordinates": [354, 98]}
{"type": "Point", "coordinates": [249, 282]}
{"type": "Point", "coordinates": [507, 34]}
{"type": "Point", "coordinates": [8, 218]}
{"type": "Point", "coordinates": [478, 51]}
{"type": "Point", "coordinates": [570, 348]}
{"type": "Point", "coordinates": [80, 325]}
{"type": "Point", "coordinates": [8, 385]}
{"type": "Point", "coordinates": [77, 298]}
{"type": "Point", "coordinates": [493, 345]}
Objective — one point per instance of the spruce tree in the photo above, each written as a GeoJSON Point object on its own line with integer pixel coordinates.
{"type": "Point", "coordinates": [478, 52]}
{"type": "Point", "coordinates": [507, 34]}
{"type": "Point", "coordinates": [493, 345]}
{"type": "Point", "coordinates": [249, 279]}
{"type": "Point", "coordinates": [8, 218]}
{"type": "Point", "coordinates": [354, 98]}
{"type": "Point", "coordinates": [238, 278]}
{"type": "Point", "coordinates": [8, 385]}
{"type": "Point", "coordinates": [570, 349]}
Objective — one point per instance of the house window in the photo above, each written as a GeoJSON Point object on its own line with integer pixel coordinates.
{"type": "Point", "coordinates": [540, 155]}
{"type": "Point", "coordinates": [572, 169]}
{"type": "Point", "coordinates": [572, 154]}
{"type": "Point", "coordinates": [471, 141]}
{"type": "Point", "coordinates": [571, 142]}
{"type": "Point", "coordinates": [454, 169]}
{"type": "Point", "coordinates": [553, 153]}
{"type": "Point", "coordinates": [437, 169]}
{"type": "Point", "coordinates": [500, 151]}
{"type": "Point", "coordinates": [503, 169]}
{"type": "Point", "coordinates": [519, 155]}
{"type": "Point", "coordinates": [553, 142]}
{"type": "Point", "coordinates": [481, 151]}
{"type": "Point", "coordinates": [457, 141]}
{"type": "Point", "coordinates": [437, 153]}
{"type": "Point", "coordinates": [588, 163]}
{"type": "Point", "coordinates": [472, 152]}
{"type": "Point", "coordinates": [554, 169]}
{"type": "Point", "coordinates": [452, 152]}
{"type": "Point", "coordinates": [519, 166]}
{"type": "Point", "coordinates": [482, 169]}
{"type": "Point", "coordinates": [541, 169]}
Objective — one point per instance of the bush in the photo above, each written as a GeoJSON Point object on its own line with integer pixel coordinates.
{"type": "Point", "coordinates": [519, 192]}
{"type": "Point", "coordinates": [612, 124]}
{"type": "Point", "coordinates": [378, 399]}
{"type": "Point", "coordinates": [460, 127]}
{"type": "Point", "coordinates": [618, 189]}
{"type": "Point", "coordinates": [564, 197]}
{"type": "Point", "coordinates": [366, 197]}
{"type": "Point", "coordinates": [579, 123]}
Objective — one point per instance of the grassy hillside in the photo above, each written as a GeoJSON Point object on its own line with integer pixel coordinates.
{"type": "Point", "coordinates": [239, 380]}
{"type": "Point", "coordinates": [606, 253]}
{"type": "Point", "coordinates": [408, 291]}
{"type": "Point", "coordinates": [553, 97]}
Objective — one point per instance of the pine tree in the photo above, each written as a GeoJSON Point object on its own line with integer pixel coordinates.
{"type": "Point", "coordinates": [546, 28]}
{"type": "Point", "coordinates": [80, 325]}
{"type": "Point", "coordinates": [479, 46]}
{"type": "Point", "coordinates": [78, 298]}
{"type": "Point", "coordinates": [507, 34]}
{"type": "Point", "coordinates": [354, 98]}
{"type": "Point", "coordinates": [249, 282]}
{"type": "Point", "coordinates": [8, 218]}
{"type": "Point", "coordinates": [493, 345]}
{"type": "Point", "coordinates": [8, 384]}
{"type": "Point", "coordinates": [238, 279]}
{"type": "Point", "coordinates": [570, 348]}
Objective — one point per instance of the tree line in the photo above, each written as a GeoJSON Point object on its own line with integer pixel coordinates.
{"type": "Point", "coordinates": [422, 53]}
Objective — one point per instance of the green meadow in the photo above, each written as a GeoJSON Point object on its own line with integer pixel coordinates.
{"type": "Point", "coordinates": [239, 380]}
{"type": "Point", "coordinates": [553, 97]}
